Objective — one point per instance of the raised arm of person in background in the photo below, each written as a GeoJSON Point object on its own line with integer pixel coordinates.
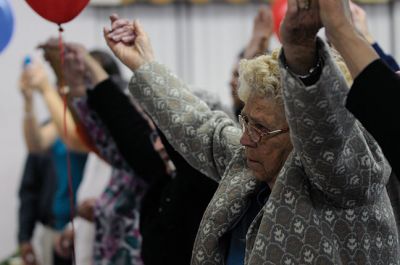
{"type": "Point", "coordinates": [257, 45]}
{"type": "Point", "coordinates": [359, 17]}
{"type": "Point", "coordinates": [374, 95]}
{"type": "Point", "coordinates": [261, 35]}
{"type": "Point", "coordinates": [54, 101]}
{"type": "Point", "coordinates": [38, 138]}
{"type": "Point", "coordinates": [129, 128]}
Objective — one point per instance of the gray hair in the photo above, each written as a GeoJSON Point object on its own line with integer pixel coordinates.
{"type": "Point", "coordinates": [261, 75]}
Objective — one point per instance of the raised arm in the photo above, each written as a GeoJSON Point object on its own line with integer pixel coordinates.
{"type": "Point", "coordinates": [55, 104]}
{"type": "Point", "coordinates": [37, 138]}
{"type": "Point", "coordinates": [376, 89]}
{"type": "Point", "coordinates": [261, 35]}
{"type": "Point", "coordinates": [129, 129]}
{"type": "Point", "coordinates": [203, 137]}
{"type": "Point", "coordinates": [352, 46]}
{"type": "Point", "coordinates": [127, 126]}
{"type": "Point", "coordinates": [340, 158]}
{"type": "Point", "coordinates": [359, 17]}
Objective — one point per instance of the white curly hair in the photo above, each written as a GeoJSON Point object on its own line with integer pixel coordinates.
{"type": "Point", "coordinates": [261, 75]}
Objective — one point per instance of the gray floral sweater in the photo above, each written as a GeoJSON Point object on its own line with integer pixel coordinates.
{"type": "Point", "coordinates": [329, 204]}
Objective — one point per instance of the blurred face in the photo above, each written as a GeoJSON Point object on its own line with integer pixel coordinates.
{"type": "Point", "coordinates": [159, 147]}
{"type": "Point", "coordinates": [234, 84]}
{"type": "Point", "coordinates": [266, 157]}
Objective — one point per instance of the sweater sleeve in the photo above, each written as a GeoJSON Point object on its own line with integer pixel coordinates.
{"type": "Point", "coordinates": [207, 139]}
{"type": "Point", "coordinates": [127, 126]}
{"type": "Point", "coordinates": [373, 100]}
{"type": "Point", "coordinates": [338, 156]}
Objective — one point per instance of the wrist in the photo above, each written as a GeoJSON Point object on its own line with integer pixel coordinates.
{"type": "Point", "coordinates": [369, 38]}
{"type": "Point", "coordinates": [28, 108]}
{"type": "Point", "coordinates": [96, 73]}
{"type": "Point", "coordinates": [257, 46]}
{"type": "Point", "coordinates": [28, 103]}
{"type": "Point", "coordinates": [138, 65]}
{"type": "Point", "coordinates": [300, 59]}
{"type": "Point", "coordinates": [339, 36]}
{"type": "Point", "coordinates": [347, 40]}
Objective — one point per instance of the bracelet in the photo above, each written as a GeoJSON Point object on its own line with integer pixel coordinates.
{"type": "Point", "coordinates": [311, 72]}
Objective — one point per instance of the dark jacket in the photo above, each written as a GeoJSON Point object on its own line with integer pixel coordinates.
{"type": "Point", "coordinates": [374, 99]}
{"type": "Point", "coordinates": [36, 194]}
{"type": "Point", "coordinates": [174, 205]}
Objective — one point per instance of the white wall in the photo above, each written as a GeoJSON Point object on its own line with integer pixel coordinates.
{"type": "Point", "coordinates": [200, 43]}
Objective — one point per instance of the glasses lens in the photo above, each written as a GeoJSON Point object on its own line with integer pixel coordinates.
{"type": "Point", "coordinates": [253, 133]}
{"type": "Point", "coordinates": [242, 123]}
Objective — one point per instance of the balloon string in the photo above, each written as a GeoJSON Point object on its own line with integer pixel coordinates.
{"type": "Point", "coordinates": [65, 99]}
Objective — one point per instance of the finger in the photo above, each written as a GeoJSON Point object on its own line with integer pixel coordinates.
{"type": "Point", "coordinates": [263, 11]}
{"type": "Point", "coordinates": [109, 41]}
{"type": "Point", "coordinates": [268, 14]}
{"type": "Point", "coordinates": [139, 31]}
{"type": "Point", "coordinates": [114, 17]}
{"type": "Point", "coordinates": [128, 39]}
{"type": "Point", "coordinates": [118, 37]}
{"type": "Point", "coordinates": [120, 31]}
{"type": "Point", "coordinates": [119, 23]}
{"type": "Point", "coordinates": [123, 36]}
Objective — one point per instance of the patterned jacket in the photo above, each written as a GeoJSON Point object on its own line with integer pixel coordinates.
{"type": "Point", "coordinates": [117, 236]}
{"type": "Point", "coordinates": [329, 204]}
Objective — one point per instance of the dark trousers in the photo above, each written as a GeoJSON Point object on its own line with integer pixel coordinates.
{"type": "Point", "coordinates": [57, 260]}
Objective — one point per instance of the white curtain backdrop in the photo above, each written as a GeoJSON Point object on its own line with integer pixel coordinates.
{"type": "Point", "coordinates": [199, 43]}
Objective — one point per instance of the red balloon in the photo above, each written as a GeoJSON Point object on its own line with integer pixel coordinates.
{"type": "Point", "coordinates": [58, 11]}
{"type": "Point", "coordinates": [279, 8]}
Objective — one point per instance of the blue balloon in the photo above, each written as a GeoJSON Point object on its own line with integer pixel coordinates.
{"type": "Point", "coordinates": [6, 24]}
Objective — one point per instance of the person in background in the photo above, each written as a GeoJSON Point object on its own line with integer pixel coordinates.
{"type": "Point", "coordinates": [116, 212]}
{"type": "Point", "coordinates": [259, 44]}
{"type": "Point", "coordinates": [96, 177]}
{"type": "Point", "coordinates": [359, 18]}
{"type": "Point", "coordinates": [175, 201]}
{"type": "Point", "coordinates": [51, 137]}
{"type": "Point", "coordinates": [36, 193]}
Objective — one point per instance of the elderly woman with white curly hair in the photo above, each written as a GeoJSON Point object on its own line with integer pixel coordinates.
{"type": "Point", "coordinates": [302, 182]}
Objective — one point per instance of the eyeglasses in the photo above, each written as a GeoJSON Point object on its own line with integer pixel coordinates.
{"type": "Point", "coordinates": [255, 133]}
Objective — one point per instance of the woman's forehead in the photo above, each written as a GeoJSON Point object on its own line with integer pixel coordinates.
{"type": "Point", "coordinates": [262, 109]}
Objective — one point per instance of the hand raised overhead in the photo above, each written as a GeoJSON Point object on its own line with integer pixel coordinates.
{"type": "Point", "coordinates": [301, 23]}
{"type": "Point", "coordinates": [335, 17]}
{"type": "Point", "coordinates": [129, 42]}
